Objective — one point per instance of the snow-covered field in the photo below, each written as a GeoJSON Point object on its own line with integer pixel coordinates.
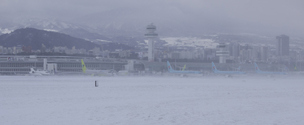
{"type": "Point", "coordinates": [189, 41]}
{"type": "Point", "coordinates": [74, 100]}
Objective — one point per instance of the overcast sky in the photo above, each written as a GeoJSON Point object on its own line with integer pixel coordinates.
{"type": "Point", "coordinates": [284, 14]}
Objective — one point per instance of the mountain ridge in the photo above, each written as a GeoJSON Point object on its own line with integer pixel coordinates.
{"type": "Point", "coordinates": [35, 38]}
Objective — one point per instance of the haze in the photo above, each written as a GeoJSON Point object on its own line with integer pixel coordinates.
{"type": "Point", "coordinates": [271, 17]}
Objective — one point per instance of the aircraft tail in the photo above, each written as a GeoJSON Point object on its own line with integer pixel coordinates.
{"type": "Point", "coordinates": [169, 66]}
{"type": "Point", "coordinates": [184, 68]}
{"type": "Point", "coordinates": [239, 68]}
{"type": "Point", "coordinates": [257, 69]}
{"type": "Point", "coordinates": [32, 70]}
{"type": "Point", "coordinates": [213, 67]}
{"type": "Point", "coordinates": [84, 68]}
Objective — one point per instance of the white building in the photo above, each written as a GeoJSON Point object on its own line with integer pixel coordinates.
{"type": "Point", "coordinates": [264, 53]}
{"type": "Point", "coordinates": [222, 53]}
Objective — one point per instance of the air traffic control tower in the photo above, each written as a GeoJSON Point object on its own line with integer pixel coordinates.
{"type": "Point", "coordinates": [222, 53]}
{"type": "Point", "coordinates": [151, 35]}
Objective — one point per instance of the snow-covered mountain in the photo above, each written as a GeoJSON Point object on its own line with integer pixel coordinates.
{"type": "Point", "coordinates": [127, 26]}
{"type": "Point", "coordinates": [5, 31]}
{"type": "Point", "coordinates": [75, 30]}
{"type": "Point", "coordinates": [44, 24]}
{"type": "Point", "coordinates": [170, 21]}
{"type": "Point", "coordinates": [36, 38]}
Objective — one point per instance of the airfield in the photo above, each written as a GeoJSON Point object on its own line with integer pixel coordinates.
{"type": "Point", "coordinates": [151, 100]}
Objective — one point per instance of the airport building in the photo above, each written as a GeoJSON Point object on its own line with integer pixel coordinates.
{"type": "Point", "coordinates": [264, 53]}
{"type": "Point", "coordinates": [222, 53]}
{"type": "Point", "coordinates": [151, 35]}
{"type": "Point", "coordinates": [282, 45]}
{"type": "Point", "coordinates": [10, 65]}
{"type": "Point", "coordinates": [22, 64]}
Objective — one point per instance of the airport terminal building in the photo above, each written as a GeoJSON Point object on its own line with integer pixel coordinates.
{"type": "Point", "coordinates": [22, 64]}
{"type": "Point", "coordinates": [10, 65]}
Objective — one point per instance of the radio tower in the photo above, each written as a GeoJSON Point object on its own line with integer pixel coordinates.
{"type": "Point", "coordinates": [151, 35]}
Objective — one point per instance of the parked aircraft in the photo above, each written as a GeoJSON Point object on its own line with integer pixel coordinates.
{"type": "Point", "coordinates": [171, 70]}
{"type": "Point", "coordinates": [97, 72]}
{"type": "Point", "coordinates": [257, 70]}
{"type": "Point", "coordinates": [224, 72]}
{"type": "Point", "coordinates": [38, 72]}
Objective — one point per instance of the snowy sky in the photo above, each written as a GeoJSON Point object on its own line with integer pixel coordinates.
{"type": "Point", "coordinates": [273, 13]}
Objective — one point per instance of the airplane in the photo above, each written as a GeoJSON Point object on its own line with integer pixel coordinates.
{"type": "Point", "coordinates": [171, 70]}
{"type": "Point", "coordinates": [224, 72]}
{"type": "Point", "coordinates": [257, 70]}
{"type": "Point", "coordinates": [96, 72]}
{"type": "Point", "coordinates": [38, 72]}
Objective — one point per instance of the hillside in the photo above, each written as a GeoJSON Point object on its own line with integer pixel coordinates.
{"type": "Point", "coordinates": [35, 38]}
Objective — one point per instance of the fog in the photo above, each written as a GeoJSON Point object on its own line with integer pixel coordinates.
{"type": "Point", "coordinates": [151, 100]}
{"type": "Point", "coordinates": [158, 98]}
{"type": "Point", "coordinates": [270, 17]}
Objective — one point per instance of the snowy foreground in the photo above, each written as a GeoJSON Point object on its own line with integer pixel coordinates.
{"type": "Point", "coordinates": [74, 100]}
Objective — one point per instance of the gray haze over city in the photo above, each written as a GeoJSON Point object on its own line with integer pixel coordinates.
{"type": "Point", "coordinates": [195, 17]}
{"type": "Point", "coordinates": [151, 62]}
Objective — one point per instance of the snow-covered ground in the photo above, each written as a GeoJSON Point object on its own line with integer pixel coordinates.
{"type": "Point", "coordinates": [74, 100]}
{"type": "Point", "coordinates": [190, 42]}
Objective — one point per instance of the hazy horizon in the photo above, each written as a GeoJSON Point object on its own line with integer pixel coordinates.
{"type": "Point", "coordinates": [272, 17]}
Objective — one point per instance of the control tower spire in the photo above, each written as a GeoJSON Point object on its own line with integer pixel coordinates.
{"type": "Point", "coordinates": [151, 35]}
